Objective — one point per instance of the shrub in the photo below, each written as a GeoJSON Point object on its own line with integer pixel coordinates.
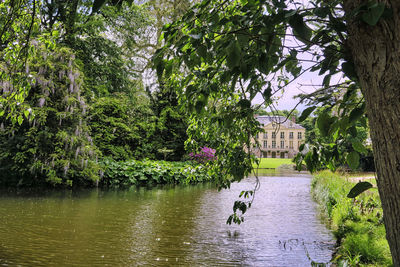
{"type": "Point", "coordinates": [206, 155]}
{"type": "Point", "coordinates": [147, 172]}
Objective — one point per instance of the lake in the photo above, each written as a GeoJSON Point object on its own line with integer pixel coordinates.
{"type": "Point", "coordinates": [165, 226]}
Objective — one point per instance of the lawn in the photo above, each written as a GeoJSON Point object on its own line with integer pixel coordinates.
{"type": "Point", "coordinates": [272, 163]}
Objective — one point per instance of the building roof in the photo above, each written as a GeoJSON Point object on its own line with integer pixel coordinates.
{"type": "Point", "coordinates": [282, 120]}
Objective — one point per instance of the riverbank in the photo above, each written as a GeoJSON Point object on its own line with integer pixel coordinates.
{"type": "Point", "coordinates": [356, 223]}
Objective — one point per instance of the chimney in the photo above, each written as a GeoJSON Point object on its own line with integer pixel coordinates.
{"type": "Point", "coordinates": [293, 119]}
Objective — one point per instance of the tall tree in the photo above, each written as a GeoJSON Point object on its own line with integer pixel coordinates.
{"type": "Point", "coordinates": [18, 22]}
{"type": "Point", "coordinates": [233, 50]}
{"type": "Point", "coordinates": [54, 146]}
{"type": "Point", "coordinates": [375, 49]}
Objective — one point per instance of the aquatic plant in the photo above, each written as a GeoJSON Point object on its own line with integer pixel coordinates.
{"type": "Point", "coordinates": [148, 172]}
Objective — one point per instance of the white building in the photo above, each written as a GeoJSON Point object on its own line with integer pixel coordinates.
{"type": "Point", "coordinates": [281, 137]}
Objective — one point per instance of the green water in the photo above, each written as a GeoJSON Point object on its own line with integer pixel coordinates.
{"type": "Point", "coordinates": [170, 226]}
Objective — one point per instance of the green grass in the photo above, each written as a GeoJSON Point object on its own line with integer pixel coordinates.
{"type": "Point", "coordinates": [357, 224]}
{"type": "Point", "coordinates": [272, 163]}
{"type": "Point", "coordinates": [359, 174]}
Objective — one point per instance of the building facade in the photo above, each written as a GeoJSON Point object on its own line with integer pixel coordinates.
{"type": "Point", "coordinates": [281, 138]}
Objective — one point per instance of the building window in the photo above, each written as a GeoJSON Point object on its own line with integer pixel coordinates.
{"type": "Point", "coordinates": [291, 135]}
{"type": "Point", "coordinates": [282, 144]}
{"type": "Point", "coordinates": [291, 144]}
{"type": "Point", "coordinates": [273, 135]}
{"type": "Point", "coordinates": [265, 144]}
{"type": "Point", "coordinates": [299, 135]}
{"type": "Point", "coordinates": [282, 135]}
{"type": "Point", "coordinates": [257, 136]}
{"type": "Point", "coordinates": [265, 135]}
{"type": "Point", "coordinates": [273, 144]}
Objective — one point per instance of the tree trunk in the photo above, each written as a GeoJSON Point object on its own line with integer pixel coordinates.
{"type": "Point", "coordinates": [376, 54]}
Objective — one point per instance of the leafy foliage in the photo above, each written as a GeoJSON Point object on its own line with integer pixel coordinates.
{"type": "Point", "coordinates": [170, 124]}
{"type": "Point", "coordinates": [134, 173]}
{"type": "Point", "coordinates": [220, 55]}
{"type": "Point", "coordinates": [119, 128]}
{"type": "Point", "coordinates": [17, 25]}
{"type": "Point", "coordinates": [54, 146]}
{"type": "Point", "coordinates": [206, 155]}
{"type": "Point", "coordinates": [79, 97]}
{"type": "Point", "coordinates": [328, 145]}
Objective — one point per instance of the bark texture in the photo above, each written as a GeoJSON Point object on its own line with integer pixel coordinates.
{"type": "Point", "coordinates": [376, 54]}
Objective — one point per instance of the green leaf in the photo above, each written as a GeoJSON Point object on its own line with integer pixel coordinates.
{"type": "Point", "coordinates": [290, 13]}
{"type": "Point", "coordinates": [26, 113]}
{"type": "Point", "coordinates": [267, 94]}
{"type": "Point", "coordinates": [20, 119]}
{"type": "Point", "coordinates": [233, 52]}
{"type": "Point", "coordinates": [358, 189]}
{"type": "Point", "coordinates": [321, 12]}
{"type": "Point", "coordinates": [301, 147]}
{"type": "Point", "coordinates": [300, 28]}
{"type": "Point", "coordinates": [324, 122]}
{"type": "Point", "coordinates": [373, 14]}
{"type": "Point", "coordinates": [358, 146]}
{"type": "Point", "coordinates": [202, 51]}
{"type": "Point", "coordinates": [353, 131]}
{"type": "Point", "coordinates": [97, 4]}
{"type": "Point", "coordinates": [349, 69]}
{"type": "Point", "coordinates": [327, 80]}
{"type": "Point", "coordinates": [306, 113]}
{"type": "Point", "coordinates": [244, 104]}
{"type": "Point", "coordinates": [356, 113]}
{"type": "Point", "coordinates": [353, 159]}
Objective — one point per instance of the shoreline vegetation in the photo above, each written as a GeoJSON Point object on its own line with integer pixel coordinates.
{"type": "Point", "coordinates": [126, 173]}
{"type": "Point", "coordinates": [122, 174]}
{"type": "Point", "coordinates": [357, 224]}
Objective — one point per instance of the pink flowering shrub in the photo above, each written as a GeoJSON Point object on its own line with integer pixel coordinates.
{"type": "Point", "coordinates": [206, 155]}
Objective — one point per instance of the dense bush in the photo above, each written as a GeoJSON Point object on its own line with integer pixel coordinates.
{"type": "Point", "coordinates": [53, 145]}
{"type": "Point", "coordinates": [147, 172]}
{"type": "Point", "coordinates": [120, 127]}
{"type": "Point", "coordinates": [356, 223]}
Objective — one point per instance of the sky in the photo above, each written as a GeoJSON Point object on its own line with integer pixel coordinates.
{"type": "Point", "coordinates": [300, 86]}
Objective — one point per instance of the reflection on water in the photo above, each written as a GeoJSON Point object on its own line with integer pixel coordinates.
{"type": "Point", "coordinates": [168, 226]}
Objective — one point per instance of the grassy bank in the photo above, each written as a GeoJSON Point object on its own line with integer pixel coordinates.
{"type": "Point", "coordinates": [357, 224]}
{"type": "Point", "coordinates": [272, 163]}
{"type": "Point", "coordinates": [148, 172]}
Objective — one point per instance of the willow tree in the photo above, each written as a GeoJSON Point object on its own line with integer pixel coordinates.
{"type": "Point", "coordinates": [221, 54]}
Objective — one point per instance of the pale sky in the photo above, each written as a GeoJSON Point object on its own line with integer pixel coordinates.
{"type": "Point", "coordinates": [286, 100]}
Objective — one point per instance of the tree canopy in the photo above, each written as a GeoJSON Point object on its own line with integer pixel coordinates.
{"type": "Point", "coordinates": [221, 54]}
{"type": "Point", "coordinates": [215, 60]}
{"type": "Point", "coordinates": [71, 92]}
